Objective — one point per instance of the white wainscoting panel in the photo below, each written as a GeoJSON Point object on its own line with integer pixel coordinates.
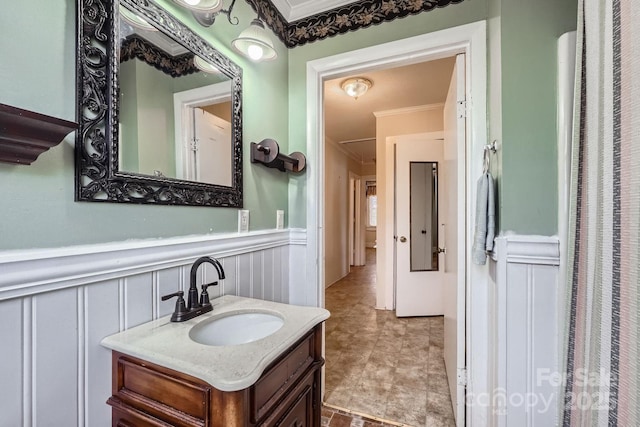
{"type": "Point", "coordinates": [57, 305]}
{"type": "Point", "coordinates": [13, 355]}
{"type": "Point", "coordinates": [303, 292]}
{"type": "Point", "coordinates": [527, 330]}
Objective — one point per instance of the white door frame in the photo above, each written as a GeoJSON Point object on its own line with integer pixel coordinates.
{"type": "Point", "coordinates": [183, 104]}
{"type": "Point", "coordinates": [471, 40]}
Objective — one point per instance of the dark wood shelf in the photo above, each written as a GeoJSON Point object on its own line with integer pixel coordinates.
{"type": "Point", "coordinates": [24, 134]}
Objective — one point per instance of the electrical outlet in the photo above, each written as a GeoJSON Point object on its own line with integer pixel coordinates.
{"type": "Point", "coordinates": [243, 221]}
{"type": "Point", "coordinates": [279, 219]}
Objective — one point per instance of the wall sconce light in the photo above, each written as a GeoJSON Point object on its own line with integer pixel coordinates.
{"type": "Point", "coordinates": [255, 43]}
{"type": "Point", "coordinates": [206, 11]}
{"type": "Point", "coordinates": [205, 66]}
{"type": "Point", "coordinates": [135, 20]}
{"type": "Point", "coordinates": [356, 87]}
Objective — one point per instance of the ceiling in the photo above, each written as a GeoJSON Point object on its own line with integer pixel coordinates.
{"type": "Point", "coordinates": [348, 119]}
{"type": "Point", "coordinates": [293, 10]}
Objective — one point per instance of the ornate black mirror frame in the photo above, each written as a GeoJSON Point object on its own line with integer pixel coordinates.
{"type": "Point", "coordinates": [98, 178]}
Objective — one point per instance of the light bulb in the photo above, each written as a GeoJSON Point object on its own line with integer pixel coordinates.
{"type": "Point", "coordinates": [255, 52]}
{"type": "Point", "coordinates": [192, 2]}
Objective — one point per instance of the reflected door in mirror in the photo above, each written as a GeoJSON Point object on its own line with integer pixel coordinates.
{"type": "Point", "coordinates": [211, 149]}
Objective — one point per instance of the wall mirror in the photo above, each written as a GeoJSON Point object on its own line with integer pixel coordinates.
{"type": "Point", "coordinates": [160, 110]}
{"type": "Point", "coordinates": [424, 216]}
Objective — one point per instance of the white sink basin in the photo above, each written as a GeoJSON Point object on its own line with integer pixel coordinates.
{"type": "Point", "coordinates": [237, 328]}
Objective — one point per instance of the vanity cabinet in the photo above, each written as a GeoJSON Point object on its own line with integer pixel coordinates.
{"type": "Point", "coordinates": [287, 394]}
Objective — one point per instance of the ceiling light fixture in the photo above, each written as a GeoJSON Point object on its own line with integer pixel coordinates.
{"type": "Point", "coordinates": [356, 87]}
{"type": "Point", "coordinates": [206, 11]}
{"type": "Point", "coordinates": [255, 43]}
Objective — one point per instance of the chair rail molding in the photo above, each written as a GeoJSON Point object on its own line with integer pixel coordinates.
{"type": "Point", "coordinates": [29, 272]}
{"type": "Point", "coordinates": [528, 249]}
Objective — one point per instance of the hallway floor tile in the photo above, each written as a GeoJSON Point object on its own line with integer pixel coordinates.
{"type": "Point", "coordinates": [377, 364]}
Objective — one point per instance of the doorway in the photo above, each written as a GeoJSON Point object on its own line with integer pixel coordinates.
{"type": "Point", "coordinates": [469, 39]}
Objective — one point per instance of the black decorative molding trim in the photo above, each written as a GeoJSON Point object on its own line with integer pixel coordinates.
{"type": "Point", "coordinates": [97, 176]}
{"type": "Point", "coordinates": [340, 20]}
{"type": "Point", "coordinates": [175, 66]}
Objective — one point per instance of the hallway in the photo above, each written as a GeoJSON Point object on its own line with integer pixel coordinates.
{"type": "Point", "coordinates": [376, 364]}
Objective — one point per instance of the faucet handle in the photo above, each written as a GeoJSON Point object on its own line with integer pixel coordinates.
{"type": "Point", "coordinates": [204, 296]}
{"type": "Point", "coordinates": [181, 307]}
{"type": "Point", "coordinates": [178, 294]}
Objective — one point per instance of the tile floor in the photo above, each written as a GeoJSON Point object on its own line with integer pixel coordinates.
{"type": "Point", "coordinates": [336, 418]}
{"type": "Point", "coordinates": [377, 364]}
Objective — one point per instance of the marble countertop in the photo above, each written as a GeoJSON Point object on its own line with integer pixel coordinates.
{"type": "Point", "coordinates": [227, 368]}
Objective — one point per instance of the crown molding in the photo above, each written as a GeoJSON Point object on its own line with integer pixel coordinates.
{"type": "Point", "coordinates": [340, 19]}
{"type": "Point", "coordinates": [409, 110]}
{"type": "Point", "coordinates": [175, 66]}
{"type": "Point", "coordinates": [311, 7]}
{"type": "Point", "coordinates": [344, 151]}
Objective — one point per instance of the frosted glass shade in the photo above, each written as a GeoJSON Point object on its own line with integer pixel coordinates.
{"type": "Point", "coordinates": [201, 5]}
{"type": "Point", "coordinates": [255, 43]}
{"type": "Point", "coordinates": [356, 87]}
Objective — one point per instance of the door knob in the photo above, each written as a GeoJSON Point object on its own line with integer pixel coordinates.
{"type": "Point", "coordinates": [442, 250]}
{"type": "Point", "coordinates": [403, 239]}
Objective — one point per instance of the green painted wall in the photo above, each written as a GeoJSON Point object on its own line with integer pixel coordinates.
{"type": "Point", "coordinates": [530, 31]}
{"type": "Point", "coordinates": [156, 130]}
{"type": "Point", "coordinates": [38, 73]}
{"type": "Point", "coordinates": [128, 147]}
{"type": "Point", "coordinates": [525, 35]}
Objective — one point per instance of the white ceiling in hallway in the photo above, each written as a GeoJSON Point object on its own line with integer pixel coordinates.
{"type": "Point", "coordinates": [348, 119]}
{"type": "Point", "coordinates": [293, 10]}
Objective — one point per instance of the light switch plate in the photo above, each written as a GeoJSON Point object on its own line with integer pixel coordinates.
{"type": "Point", "coordinates": [243, 221]}
{"type": "Point", "coordinates": [279, 219]}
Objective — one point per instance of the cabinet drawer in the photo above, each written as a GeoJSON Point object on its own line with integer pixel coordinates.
{"type": "Point", "coordinates": [280, 377]}
{"type": "Point", "coordinates": [133, 419]}
{"type": "Point", "coordinates": [159, 392]}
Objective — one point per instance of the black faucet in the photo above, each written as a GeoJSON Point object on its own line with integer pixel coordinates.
{"type": "Point", "coordinates": [195, 306]}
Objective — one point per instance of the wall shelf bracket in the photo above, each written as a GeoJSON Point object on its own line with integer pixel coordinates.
{"type": "Point", "coordinates": [268, 153]}
{"type": "Point", "coordinates": [24, 135]}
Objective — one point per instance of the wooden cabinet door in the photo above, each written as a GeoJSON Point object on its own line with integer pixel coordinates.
{"type": "Point", "coordinates": [301, 413]}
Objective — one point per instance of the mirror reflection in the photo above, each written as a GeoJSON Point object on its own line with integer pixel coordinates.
{"type": "Point", "coordinates": [424, 216]}
{"type": "Point", "coordinates": [175, 108]}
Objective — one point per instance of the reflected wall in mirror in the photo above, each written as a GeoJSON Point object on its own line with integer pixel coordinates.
{"type": "Point", "coordinates": [424, 216]}
{"type": "Point", "coordinates": [161, 111]}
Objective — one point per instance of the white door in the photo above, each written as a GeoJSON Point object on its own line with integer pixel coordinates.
{"type": "Point", "coordinates": [419, 281]}
{"type": "Point", "coordinates": [453, 224]}
{"type": "Point", "coordinates": [213, 141]}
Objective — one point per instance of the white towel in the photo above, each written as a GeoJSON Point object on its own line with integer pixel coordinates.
{"type": "Point", "coordinates": [485, 220]}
